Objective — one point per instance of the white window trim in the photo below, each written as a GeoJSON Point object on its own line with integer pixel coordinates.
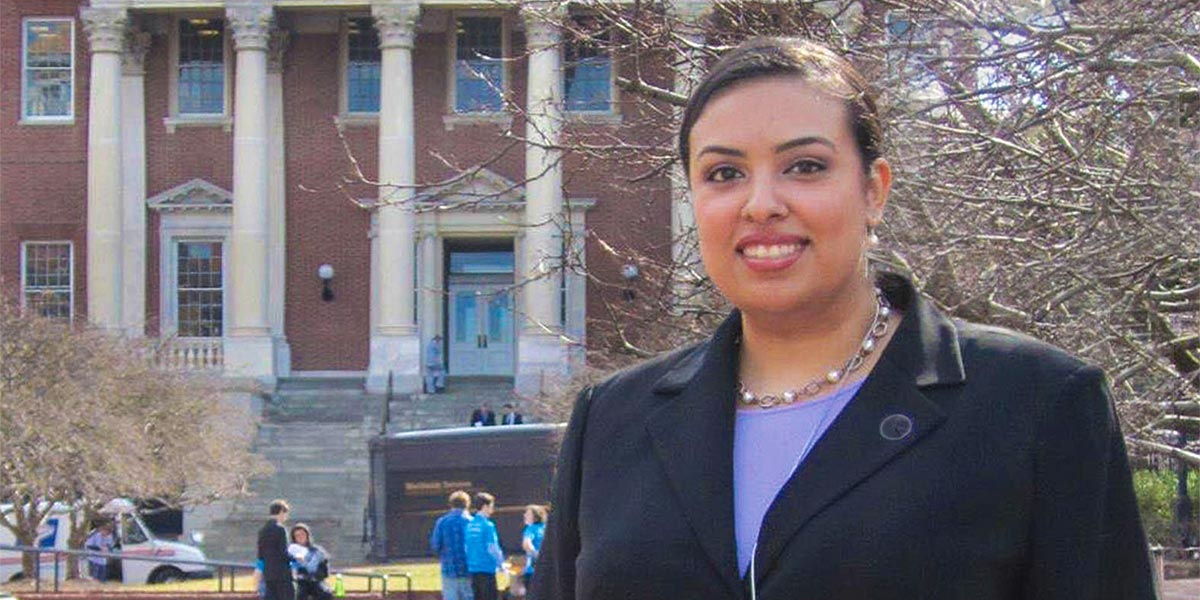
{"type": "Point", "coordinates": [71, 256]}
{"type": "Point", "coordinates": [344, 115]}
{"type": "Point", "coordinates": [175, 228]}
{"type": "Point", "coordinates": [223, 119]}
{"type": "Point", "coordinates": [67, 119]}
{"type": "Point", "coordinates": [501, 116]}
{"type": "Point", "coordinates": [612, 114]}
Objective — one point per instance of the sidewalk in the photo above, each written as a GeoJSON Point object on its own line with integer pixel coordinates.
{"type": "Point", "coordinates": [1181, 589]}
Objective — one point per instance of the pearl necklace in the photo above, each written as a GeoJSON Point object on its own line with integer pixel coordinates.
{"type": "Point", "coordinates": [878, 329]}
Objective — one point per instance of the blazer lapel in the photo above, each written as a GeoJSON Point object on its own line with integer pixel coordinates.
{"type": "Point", "coordinates": [889, 415]}
{"type": "Point", "coordinates": [692, 435]}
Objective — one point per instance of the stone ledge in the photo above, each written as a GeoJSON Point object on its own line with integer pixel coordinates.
{"type": "Point", "coordinates": [224, 122]}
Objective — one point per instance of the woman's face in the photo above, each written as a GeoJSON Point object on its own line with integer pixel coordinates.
{"type": "Point", "coordinates": [782, 201]}
{"type": "Point", "coordinates": [528, 516]}
{"type": "Point", "coordinates": [300, 536]}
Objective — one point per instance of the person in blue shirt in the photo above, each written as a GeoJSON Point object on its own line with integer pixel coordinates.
{"type": "Point", "coordinates": [531, 539]}
{"type": "Point", "coordinates": [448, 541]}
{"type": "Point", "coordinates": [435, 369]}
{"type": "Point", "coordinates": [484, 557]}
{"type": "Point", "coordinates": [101, 540]}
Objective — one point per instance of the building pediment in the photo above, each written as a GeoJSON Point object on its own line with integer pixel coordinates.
{"type": "Point", "coordinates": [480, 189]}
{"type": "Point", "coordinates": [195, 195]}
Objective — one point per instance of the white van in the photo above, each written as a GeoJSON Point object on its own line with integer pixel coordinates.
{"type": "Point", "coordinates": [130, 534]}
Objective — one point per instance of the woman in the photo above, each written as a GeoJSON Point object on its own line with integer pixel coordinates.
{"type": "Point", "coordinates": [311, 564]}
{"type": "Point", "coordinates": [531, 539]}
{"type": "Point", "coordinates": [837, 437]}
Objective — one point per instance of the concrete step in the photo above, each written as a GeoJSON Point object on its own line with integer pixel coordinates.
{"type": "Point", "coordinates": [299, 384]}
{"type": "Point", "coordinates": [315, 434]}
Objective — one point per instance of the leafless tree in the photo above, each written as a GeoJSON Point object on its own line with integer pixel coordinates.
{"type": "Point", "coordinates": [1046, 163]}
{"type": "Point", "coordinates": [86, 417]}
{"type": "Point", "coordinates": [1046, 157]}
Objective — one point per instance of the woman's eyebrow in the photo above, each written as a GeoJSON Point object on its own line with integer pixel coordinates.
{"type": "Point", "coordinates": [804, 141]}
{"type": "Point", "coordinates": [720, 150]}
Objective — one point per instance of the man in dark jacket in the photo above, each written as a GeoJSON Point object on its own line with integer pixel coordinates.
{"type": "Point", "coordinates": [511, 416]}
{"type": "Point", "coordinates": [273, 554]}
{"type": "Point", "coordinates": [483, 416]}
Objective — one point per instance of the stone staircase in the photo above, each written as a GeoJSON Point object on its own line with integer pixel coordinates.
{"type": "Point", "coordinates": [315, 432]}
{"type": "Point", "coordinates": [453, 407]}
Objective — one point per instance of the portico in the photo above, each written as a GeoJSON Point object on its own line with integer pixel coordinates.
{"type": "Point", "coordinates": [233, 234]}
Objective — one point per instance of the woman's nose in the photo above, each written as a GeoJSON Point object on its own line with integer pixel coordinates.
{"type": "Point", "coordinates": [764, 201]}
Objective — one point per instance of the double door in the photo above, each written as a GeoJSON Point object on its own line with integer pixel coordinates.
{"type": "Point", "coordinates": [482, 331]}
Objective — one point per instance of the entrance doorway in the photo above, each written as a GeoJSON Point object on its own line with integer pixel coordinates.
{"type": "Point", "coordinates": [481, 336]}
{"type": "Point", "coordinates": [481, 329]}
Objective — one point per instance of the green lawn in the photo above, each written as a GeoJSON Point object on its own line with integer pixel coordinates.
{"type": "Point", "coordinates": [426, 575]}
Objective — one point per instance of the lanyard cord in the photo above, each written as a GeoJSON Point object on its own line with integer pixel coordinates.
{"type": "Point", "coordinates": [753, 583]}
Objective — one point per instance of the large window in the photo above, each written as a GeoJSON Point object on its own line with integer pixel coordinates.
{"type": "Point", "coordinates": [587, 71]}
{"type": "Point", "coordinates": [46, 279]}
{"type": "Point", "coordinates": [478, 65]}
{"type": "Point", "coordinates": [201, 81]}
{"type": "Point", "coordinates": [200, 292]}
{"type": "Point", "coordinates": [48, 61]}
{"type": "Point", "coordinates": [362, 67]}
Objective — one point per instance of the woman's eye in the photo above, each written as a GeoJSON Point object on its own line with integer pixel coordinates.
{"type": "Point", "coordinates": [806, 167]}
{"type": "Point", "coordinates": [720, 174]}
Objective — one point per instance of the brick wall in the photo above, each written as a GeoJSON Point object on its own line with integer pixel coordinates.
{"type": "Point", "coordinates": [43, 173]}
{"type": "Point", "coordinates": [43, 170]}
{"type": "Point", "coordinates": [323, 224]}
{"type": "Point", "coordinates": [175, 158]}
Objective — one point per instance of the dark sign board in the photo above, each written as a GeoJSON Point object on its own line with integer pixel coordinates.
{"type": "Point", "coordinates": [413, 473]}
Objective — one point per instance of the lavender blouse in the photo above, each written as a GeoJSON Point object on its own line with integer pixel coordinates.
{"type": "Point", "coordinates": [768, 446]}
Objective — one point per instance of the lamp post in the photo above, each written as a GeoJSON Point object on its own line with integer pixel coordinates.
{"type": "Point", "coordinates": [325, 272]}
{"type": "Point", "coordinates": [1183, 501]}
{"type": "Point", "coordinates": [630, 273]}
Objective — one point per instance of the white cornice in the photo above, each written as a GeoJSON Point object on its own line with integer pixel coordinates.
{"type": "Point", "coordinates": [480, 190]}
{"type": "Point", "coordinates": [195, 195]}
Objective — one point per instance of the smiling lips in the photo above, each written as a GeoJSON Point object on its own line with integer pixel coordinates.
{"type": "Point", "coordinates": [771, 252]}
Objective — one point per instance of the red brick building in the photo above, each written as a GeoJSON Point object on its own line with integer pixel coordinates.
{"type": "Point", "coordinates": [174, 168]}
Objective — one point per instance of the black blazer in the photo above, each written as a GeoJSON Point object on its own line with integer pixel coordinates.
{"type": "Point", "coordinates": [487, 418]}
{"type": "Point", "coordinates": [272, 550]}
{"type": "Point", "coordinates": [974, 463]}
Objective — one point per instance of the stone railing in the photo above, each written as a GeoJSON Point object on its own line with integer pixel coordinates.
{"type": "Point", "coordinates": [192, 354]}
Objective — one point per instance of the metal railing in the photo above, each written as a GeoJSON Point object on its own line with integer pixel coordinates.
{"type": "Point", "coordinates": [219, 567]}
{"type": "Point", "coordinates": [1159, 556]}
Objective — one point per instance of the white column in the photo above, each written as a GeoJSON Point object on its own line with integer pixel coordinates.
{"type": "Point", "coordinates": [133, 182]}
{"type": "Point", "coordinates": [248, 347]}
{"type": "Point", "coordinates": [395, 346]}
{"type": "Point", "coordinates": [688, 69]}
{"type": "Point", "coordinates": [541, 351]}
{"type": "Point", "coordinates": [576, 278]}
{"type": "Point", "coordinates": [277, 203]}
{"type": "Point", "coordinates": [106, 32]}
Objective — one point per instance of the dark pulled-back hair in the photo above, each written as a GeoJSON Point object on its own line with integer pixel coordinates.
{"type": "Point", "coordinates": [815, 64]}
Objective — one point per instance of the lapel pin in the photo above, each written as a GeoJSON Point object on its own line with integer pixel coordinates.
{"type": "Point", "coordinates": [895, 427]}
